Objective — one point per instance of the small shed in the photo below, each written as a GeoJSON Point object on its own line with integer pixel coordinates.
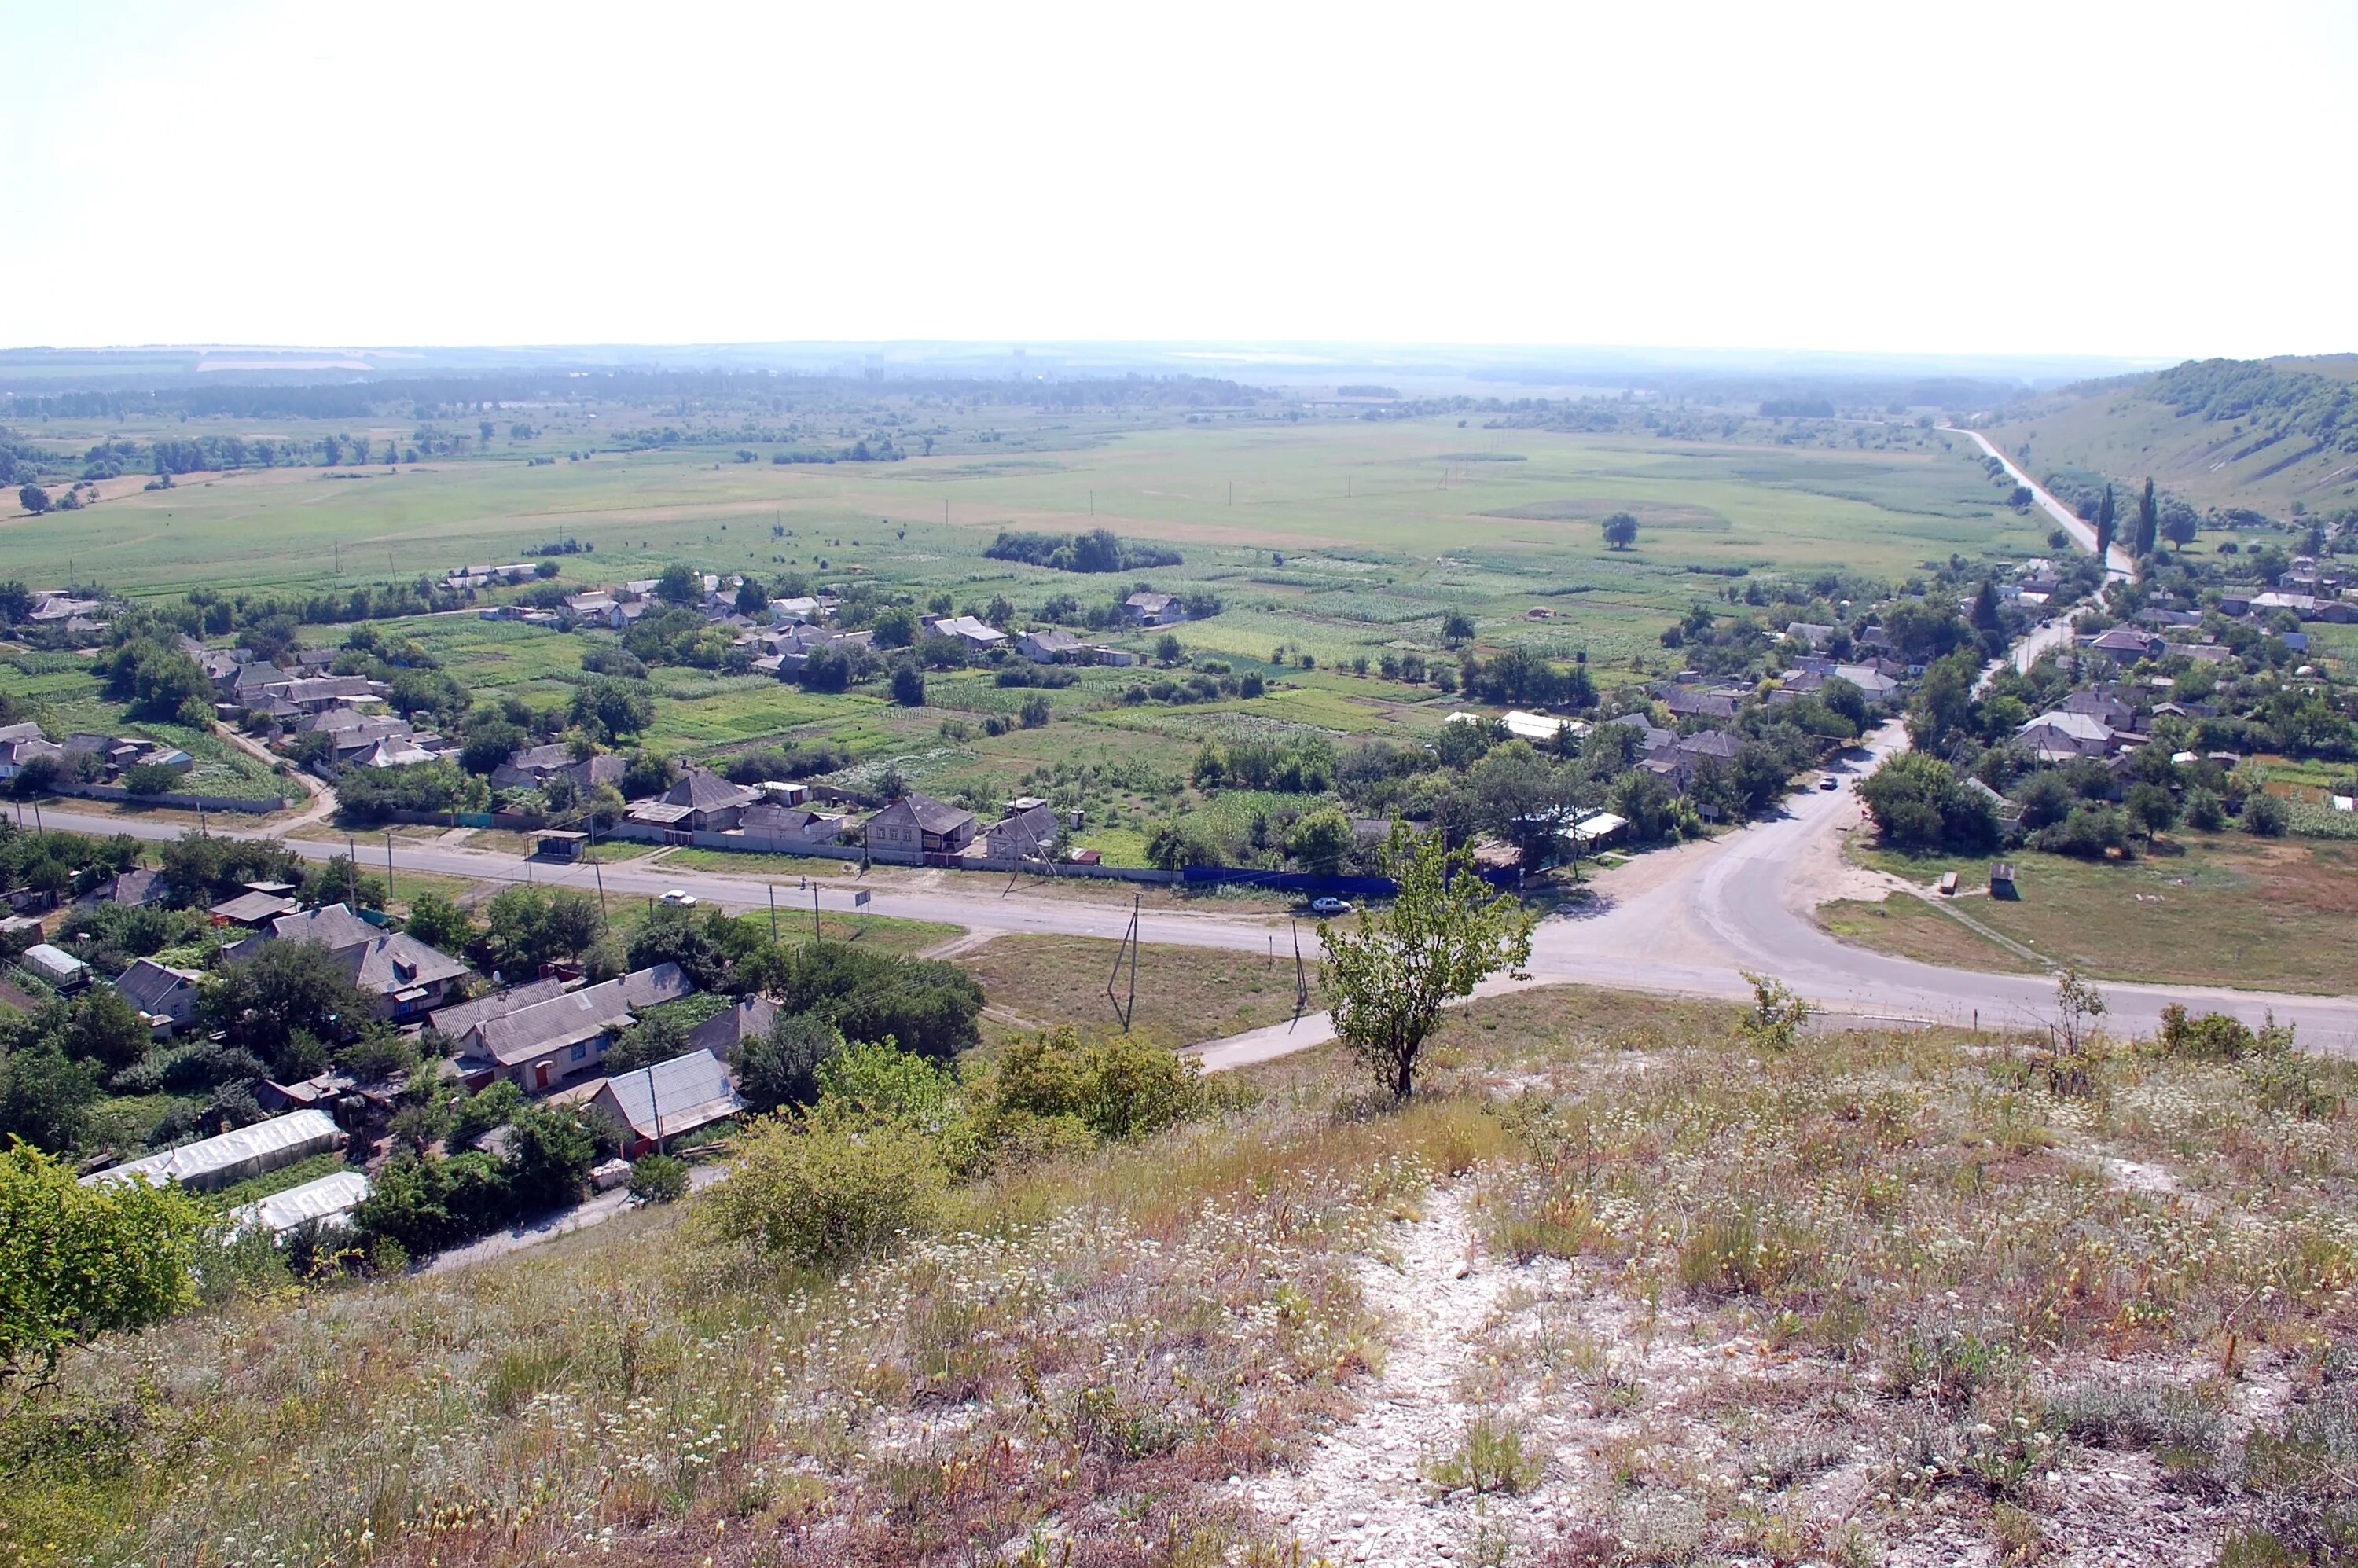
{"type": "Point", "coordinates": [2002, 880]}
{"type": "Point", "coordinates": [552, 844]}
{"type": "Point", "coordinates": [1947, 884]}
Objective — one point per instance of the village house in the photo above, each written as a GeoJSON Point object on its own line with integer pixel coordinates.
{"type": "Point", "coordinates": [2060, 736]}
{"type": "Point", "coordinates": [406, 978]}
{"type": "Point", "coordinates": [455, 1020]}
{"type": "Point", "coordinates": [548, 1043]}
{"type": "Point", "coordinates": [1147, 608]}
{"type": "Point", "coordinates": [165, 997]}
{"type": "Point", "coordinates": [1687, 702]}
{"type": "Point", "coordinates": [701, 802]}
{"type": "Point", "coordinates": [917, 825]}
{"type": "Point", "coordinates": [1050, 645]}
{"type": "Point", "coordinates": [2123, 642]}
{"type": "Point", "coordinates": [795, 827]}
{"type": "Point", "coordinates": [1028, 832]}
{"type": "Point", "coordinates": [721, 1033]}
{"type": "Point", "coordinates": [666, 1100]}
{"type": "Point", "coordinates": [967, 629]}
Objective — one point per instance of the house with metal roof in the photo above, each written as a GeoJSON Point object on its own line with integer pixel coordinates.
{"type": "Point", "coordinates": [668, 1100]}
{"type": "Point", "coordinates": [458, 1017]}
{"type": "Point", "coordinates": [1051, 645]}
{"type": "Point", "coordinates": [724, 1032]}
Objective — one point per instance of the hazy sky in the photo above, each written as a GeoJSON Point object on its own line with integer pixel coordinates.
{"type": "Point", "coordinates": [2142, 179]}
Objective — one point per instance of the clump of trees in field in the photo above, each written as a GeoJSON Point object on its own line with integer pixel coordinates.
{"type": "Point", "coordinates": [1099, 550]}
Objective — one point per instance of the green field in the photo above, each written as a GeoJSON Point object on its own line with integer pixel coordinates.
{"type": "Point", "coordinates": [1327, 540]}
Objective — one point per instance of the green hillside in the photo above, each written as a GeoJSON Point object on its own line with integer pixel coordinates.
{"type": "Point", "coordinates": [2262, 435]}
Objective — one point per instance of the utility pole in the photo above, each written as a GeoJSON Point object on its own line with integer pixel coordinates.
{"type": "Point", "coordinates": [352, 871]}
{"type": "Point", "coordinates": [1126, 1010]}
{"type": "Point", "coordinates": [815, 936]}
{"type": "Point", "coordinates": [388, 865]}
{"type": "Point", "coordinates": [774, 912]}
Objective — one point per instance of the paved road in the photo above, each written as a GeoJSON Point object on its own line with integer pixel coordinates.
{"type": "Point", "coordinates": [2120, 563]}
{"type": "Point", "coordinates": [1687, 921]}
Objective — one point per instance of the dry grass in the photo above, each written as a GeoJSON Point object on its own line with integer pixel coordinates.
{"type": "Point", "coordinates": [1877, 1293]}
{"type": "Point", "coordinates": [1184, 994]}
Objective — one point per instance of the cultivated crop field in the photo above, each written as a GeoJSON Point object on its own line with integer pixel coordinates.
{"type": "Point", "coordinates": [1332, 544]}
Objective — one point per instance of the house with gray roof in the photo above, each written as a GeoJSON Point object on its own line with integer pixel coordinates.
{"type": "Point", "coordinates": [165, 996]}
{"type": "Point", "coordinates": [552, 1043]}
{"type": "Point", "coordinates": [668, 1098]}
{"type": "Point", "coordinates": [701, 802]}
{"type": "Point", "coordinates": [916, 826]}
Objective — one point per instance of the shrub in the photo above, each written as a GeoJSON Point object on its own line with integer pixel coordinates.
{"type": "Point", "coordinates": [659, 1178]}
{"type": "Point", "coordinates": [76, 1262]}
{"type": "Point", "coordinates": [1117, 1088]}
{"type": "Point", "coordinates": [1491, 1458]}
{"type": "Point", "coordinates": [2264, 817]}
{"type": "Point", "coordinates": [825, 1191]}
{"type": "Point", "coordinates": [1740, 1254]}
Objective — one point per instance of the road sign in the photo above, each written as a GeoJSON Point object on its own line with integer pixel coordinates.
{"type": "Point", "coordinates": [860, 899]}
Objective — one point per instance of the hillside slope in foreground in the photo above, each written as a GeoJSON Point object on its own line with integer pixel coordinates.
{"type": "Point", "coordinates": [1625, 1284]}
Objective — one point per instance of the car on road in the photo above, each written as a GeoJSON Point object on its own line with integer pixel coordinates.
{"type": "Point", "coordinates": [1330, 906]}
{"type": "Point", "coordinates": [679, 898]}
{"type": "Point", "coordinates": [1830, 782]}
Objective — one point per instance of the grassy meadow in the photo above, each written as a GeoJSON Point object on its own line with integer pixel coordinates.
{"type": "Point", "coordinates": [1620, 1287]}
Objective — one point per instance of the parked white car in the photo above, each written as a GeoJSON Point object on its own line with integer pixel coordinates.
{"type": "Point", "coordinates": [1330, 906]}
{"type": "Point", "coordinates": [679, 898]}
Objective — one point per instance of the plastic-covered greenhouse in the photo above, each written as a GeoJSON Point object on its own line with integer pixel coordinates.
{"type": "Point", "coordinates": [229, 1158]}
{"type": "Point", "coordinates": [328, 1200]}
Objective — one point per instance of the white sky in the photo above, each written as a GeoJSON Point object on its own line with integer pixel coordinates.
{"type": "Point", "coordinates": [2146, 179]}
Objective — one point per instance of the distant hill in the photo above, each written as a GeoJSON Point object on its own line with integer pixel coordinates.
{"type": "Point", "coordinates": [2261, 434]}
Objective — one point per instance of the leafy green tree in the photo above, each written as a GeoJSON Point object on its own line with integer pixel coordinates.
{"type": "Point", "coordinates": [611, 708]}
{"type": "Point", "coordinates": [2264, 817]}
{"type": "Point", "coordinates": [1456, 626]}
{"type": "Point", "coordinates": [657, 1036]}
{"type": "Point", "coordinates": [677, 585]}
{"type": "Point", "coordinates": [283, 1000]}
{"type": "Point", "coordinates": [2108, 518]}
{"type": "Point", "coordinates": [550, 1151]}
{"type": "Point", "coordinates": [659, 1178]}
{"type": "Point", "coordinates": [908, 684]}
{"type": "Point", "coordinates": [1167, 649]}
{"type": "Point", "coordinates": [1918, 803]}
{"type": "Point", "coordinates": [33, 499]}
{"type": "Point", "coordinates": [45, 1098]}
{"type": "Point", "coordinates": [2149, 523]}
{"type": "Point", "coordinates": [526, 928]}
{"type": "Point", "coordinates": [76, 1262]}
{"type": "Point", "coordinates": [2152, 807]}
{"type": "Point", "coordinates": [1443, 932]}
{"type": "Point", "coordinates": [1319, 840]}
{"type": "Point", "coordinates": [107, 1030]}
{"type": "Point", "coordinates": [781, 1065]}
{"type": "Point", "coordinates": [1620, 530]}
{"type": "Point", "coordinates": [2178, 523]}
{"type": "Point", "coordinates": [439, 923]}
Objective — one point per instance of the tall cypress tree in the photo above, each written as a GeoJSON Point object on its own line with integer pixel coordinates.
{"type": "Point", "coordinates": [2106, 518]}
{"type": "Point", "coordinates": [2149, 523]}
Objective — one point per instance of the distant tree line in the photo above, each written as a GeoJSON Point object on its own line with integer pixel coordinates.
{"type": "Point", "coordinates": [1099, 550]}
